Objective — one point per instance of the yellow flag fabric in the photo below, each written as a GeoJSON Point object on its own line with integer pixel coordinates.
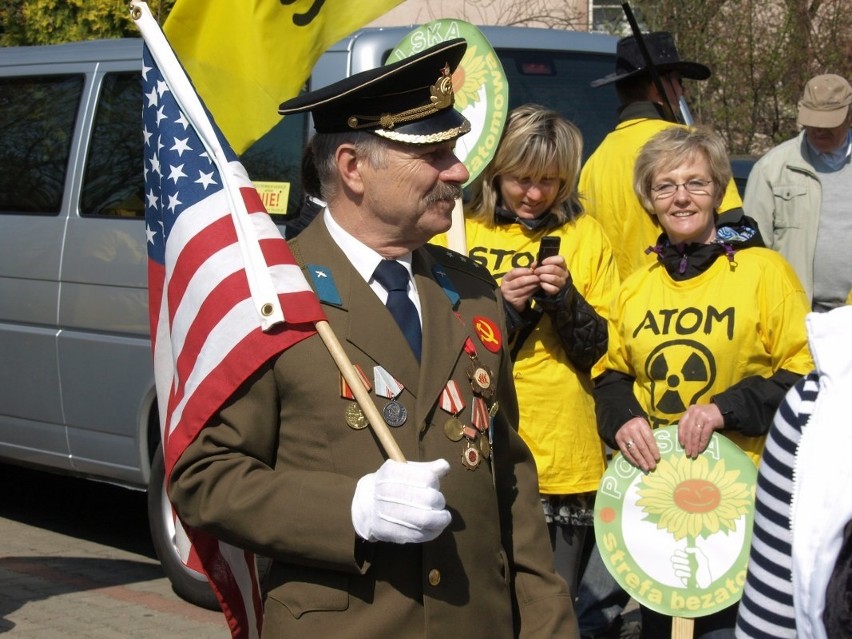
{"type": "Point", "coordinates": [245, 57]}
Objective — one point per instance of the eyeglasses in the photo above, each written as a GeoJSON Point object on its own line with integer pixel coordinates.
{"type": "Point", "coordinates": [696, 187]}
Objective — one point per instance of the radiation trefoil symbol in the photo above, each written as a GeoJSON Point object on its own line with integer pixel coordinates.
{"type": "Point", "coordinates": [680, 371]}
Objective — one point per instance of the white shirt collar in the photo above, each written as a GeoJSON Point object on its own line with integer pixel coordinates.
{"type": "Point", "coordinates": [363, 258]}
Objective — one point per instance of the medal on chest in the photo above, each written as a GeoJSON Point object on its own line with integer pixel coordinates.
{"type": "Point", "coordinates": [394, 413]}
{"type": "Point", "coordinates": [477, 435]}
{"type": "Point", "coordinates": [354, 415]}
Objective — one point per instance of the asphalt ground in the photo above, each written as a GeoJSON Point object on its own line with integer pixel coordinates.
{"type": "Point", "coordinates": [76, 562]}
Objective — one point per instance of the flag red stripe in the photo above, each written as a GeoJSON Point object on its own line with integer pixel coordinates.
{"type": "Point", "coordinates": [207, 336]}
{"type": "Point", "coordinates": [194, 253]}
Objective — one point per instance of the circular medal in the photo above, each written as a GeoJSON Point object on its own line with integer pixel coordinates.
{"type": "Point", "coordinates": [355, 417]}
{"type": "Point", "coordinates": [453, 429]}
{"type": "Point", "coordinates": [394, 413]}
{"type": "Point", "coordinates": [471, 457]}
{"type": "Point", "coordinates": [485, 446]}
{"type": "Point", "coordinates": [480, 379]}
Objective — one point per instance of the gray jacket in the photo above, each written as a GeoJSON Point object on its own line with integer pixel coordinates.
{"type": "Point", "coordinates": [784, 196]}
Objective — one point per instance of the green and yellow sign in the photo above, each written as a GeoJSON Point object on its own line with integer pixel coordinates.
{"type": "Point", "coordinates": [479, 84]}
{"type": "Point", "coordinates": [677, 538]}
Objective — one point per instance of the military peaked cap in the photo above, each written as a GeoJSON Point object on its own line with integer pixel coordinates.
{"type": "Point", "coordinates": [408, 101]}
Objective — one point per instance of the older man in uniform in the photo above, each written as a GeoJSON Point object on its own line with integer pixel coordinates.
{"type": "Point", "coordinates": [452, 542]}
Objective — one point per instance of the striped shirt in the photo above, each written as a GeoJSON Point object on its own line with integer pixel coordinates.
{"type": "Point", "coordinates": [766, 609]}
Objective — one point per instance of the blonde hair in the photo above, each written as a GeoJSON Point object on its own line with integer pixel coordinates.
{"type": "Point", "coordinates": [535, 139]}
{"type": "Point", "coordinates": [675, 146]}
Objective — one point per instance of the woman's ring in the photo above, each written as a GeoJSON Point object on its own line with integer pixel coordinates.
{"type": "Point", "coordinates": [629, 444]}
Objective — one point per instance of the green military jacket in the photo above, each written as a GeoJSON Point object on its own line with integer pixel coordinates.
{"type": "Point", "coordinates": [276, 471]}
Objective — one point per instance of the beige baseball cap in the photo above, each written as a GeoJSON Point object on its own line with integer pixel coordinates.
{"type": "Point", "coordinates": [825, 102]}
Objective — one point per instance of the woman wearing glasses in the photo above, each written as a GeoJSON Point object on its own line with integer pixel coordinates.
{"type": "Point", "coordinates": [710, 337]}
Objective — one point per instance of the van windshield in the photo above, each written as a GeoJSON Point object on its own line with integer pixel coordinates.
{"type": "Point", "coordinates": [555, 79]}
{"type": "Point", "coordinates": [560, 81]}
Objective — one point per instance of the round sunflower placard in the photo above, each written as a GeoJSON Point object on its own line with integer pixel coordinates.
{"type": "Point", "coordinates": [677, 538]}
{"type": "Point", "coordinates": [479, 84]}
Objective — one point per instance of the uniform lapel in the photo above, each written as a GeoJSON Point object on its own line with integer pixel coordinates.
{"type": "Point", "coordinates": [361, 318]}
{"type": "Point", "coordinates": [443, 335]}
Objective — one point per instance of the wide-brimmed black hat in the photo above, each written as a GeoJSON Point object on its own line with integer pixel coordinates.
{"type": "Point", "coordinates": [629, 62]}
{"type": "Point", "coordinates": [408, 101]}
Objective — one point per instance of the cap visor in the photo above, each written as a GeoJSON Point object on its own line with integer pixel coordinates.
{"type": "Point", "coordinates": [822, 119]}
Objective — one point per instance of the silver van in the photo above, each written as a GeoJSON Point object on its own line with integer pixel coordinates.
{"type": "Point", "coordinates": [76, 376]}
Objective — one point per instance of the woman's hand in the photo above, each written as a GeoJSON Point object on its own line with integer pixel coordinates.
{"type": "Point", "coordinates": [696, 426]}
{"type": "Point", "coordinates": [517, 287]}
{"type": "Point", "coordinates": [552, 274]}
{"type": "Point", "coordinates": [636, 441]}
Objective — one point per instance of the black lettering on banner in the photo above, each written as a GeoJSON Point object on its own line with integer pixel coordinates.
{"type": "Point", "coordinates": [687, 321]}
{"type": "Point", "coordinates": [304, 19]}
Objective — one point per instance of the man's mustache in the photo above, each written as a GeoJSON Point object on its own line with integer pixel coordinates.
{"type": "Point", "coordinates": [444, 192]}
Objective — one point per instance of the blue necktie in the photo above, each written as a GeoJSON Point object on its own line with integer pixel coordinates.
{"type": "Point", "coordinates": [393, 276]}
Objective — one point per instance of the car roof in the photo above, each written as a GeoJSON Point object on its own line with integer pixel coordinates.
{"type": "Point", "coordinates": [85, 51]}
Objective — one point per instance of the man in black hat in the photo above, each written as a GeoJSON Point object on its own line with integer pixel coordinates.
{"type": "Point", "coordinates": [606, 181]}
{"type": "Point", "coordinates": [450, 543]}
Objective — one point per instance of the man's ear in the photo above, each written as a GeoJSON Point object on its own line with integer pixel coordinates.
{"type": "Point", "coordinates": [349, 166]}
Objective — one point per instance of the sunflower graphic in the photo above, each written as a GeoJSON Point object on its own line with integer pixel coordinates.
{"type": "Point", "coordinates": [468, 77]}
{"type": "Point", "coordinates": [689, 500]}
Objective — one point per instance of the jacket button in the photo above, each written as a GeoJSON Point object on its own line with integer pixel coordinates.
{"type": "Point", "coordinates": [434, 576]}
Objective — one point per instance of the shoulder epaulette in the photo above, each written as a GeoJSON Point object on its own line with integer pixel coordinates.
{"type": "Point", "coordinates": [297, 254]}
{"type": "Point", "coordinates": [451, 259]}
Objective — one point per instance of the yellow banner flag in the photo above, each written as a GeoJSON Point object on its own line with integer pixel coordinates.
{"type": "Point", "coordinates": [245, 57]}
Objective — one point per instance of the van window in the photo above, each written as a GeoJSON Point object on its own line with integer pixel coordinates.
{"type": "Point", "coordinates": [37, 119]}
{"type": "Point", "coordinates": [277, 157]}
{"type": "Point", "coordinates": [560, 81]}
{"type": "Point", "coordinates": [112, 181]}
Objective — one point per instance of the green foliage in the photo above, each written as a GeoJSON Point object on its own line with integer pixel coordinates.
{"type": "Point", "coordinates": [29, 22]}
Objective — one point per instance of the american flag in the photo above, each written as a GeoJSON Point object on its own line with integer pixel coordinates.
{"type": "Point", "coordinates": [225, 294]}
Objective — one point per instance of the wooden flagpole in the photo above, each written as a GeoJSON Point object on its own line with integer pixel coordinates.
{"type": "Point", "coordinates": [377, 423]}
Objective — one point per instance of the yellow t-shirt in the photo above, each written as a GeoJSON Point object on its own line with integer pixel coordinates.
{"type": "Point", "coordinates": [557, 416]}
{"type": "Point", "coordinates": [686, 341]}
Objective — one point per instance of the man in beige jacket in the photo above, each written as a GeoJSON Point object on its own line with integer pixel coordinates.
{"type": "Point", "coordinates": [799, 193]}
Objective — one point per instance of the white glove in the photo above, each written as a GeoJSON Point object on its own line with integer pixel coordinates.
{"type": "Point", "coordinates": [401, 502]}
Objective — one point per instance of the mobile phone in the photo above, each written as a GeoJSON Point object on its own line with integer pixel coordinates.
{"type": "Point", "coordinates": [549, 246]}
